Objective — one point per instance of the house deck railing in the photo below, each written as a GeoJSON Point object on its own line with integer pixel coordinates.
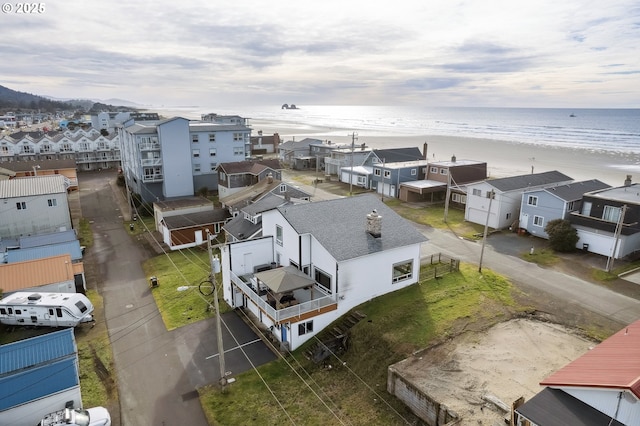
{"type": "Point", "coordinates": [281, 315]}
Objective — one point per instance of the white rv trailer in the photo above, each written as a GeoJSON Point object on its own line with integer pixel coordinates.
{"type": "Point", "coordinates": [45, 309]}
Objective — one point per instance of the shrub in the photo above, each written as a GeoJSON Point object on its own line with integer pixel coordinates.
{"type": "Point", "coordinates": [562, 236]}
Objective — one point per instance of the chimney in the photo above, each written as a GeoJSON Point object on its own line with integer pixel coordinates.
{"type": "Point", "coordinates": [424, 150]}
{"type": "Point", "coordinates": [627, 181]}
{"type": "Point", "coordinates": [453, 158]}
{"type": "Point", "coordinates": [374, 224]}
{"type": "Point", "coordinates": [270, 178]}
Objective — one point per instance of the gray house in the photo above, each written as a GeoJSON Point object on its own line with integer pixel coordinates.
{"type": "Point", "coordinates": [539, 206]}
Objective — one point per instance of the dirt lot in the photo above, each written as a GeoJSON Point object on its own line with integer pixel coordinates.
{"type": "Point", "coordinates": [506, 362]}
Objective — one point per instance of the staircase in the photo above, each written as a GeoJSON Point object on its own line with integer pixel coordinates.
{"type": "Point", "coordinates": [335, 339]}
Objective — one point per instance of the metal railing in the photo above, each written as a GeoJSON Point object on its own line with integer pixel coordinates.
{"type": "Point", "coordinates": [280, 315]}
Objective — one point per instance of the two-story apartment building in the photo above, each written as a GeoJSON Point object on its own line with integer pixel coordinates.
{"type": "Point", "coordinates": [177, 157]}
{"type": "Point", "coordinates": [317, 261]}
{"type": "Point", "coordinates": [34, 205]}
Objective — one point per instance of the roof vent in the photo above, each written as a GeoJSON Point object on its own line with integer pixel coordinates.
{"type": "Point", "coordinates": [627, 181]}
{"type": "Point", "coordinates": [33, 298]}
{"type": "Point", "coordinates": [374, 224]}
{"type": "Point", "coordinates": [453, 158]}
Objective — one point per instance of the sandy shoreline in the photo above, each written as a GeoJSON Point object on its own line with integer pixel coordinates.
{"type": "Point", "coordinates": [503, 158]}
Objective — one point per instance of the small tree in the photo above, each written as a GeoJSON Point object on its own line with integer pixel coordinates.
{"type": "Point", "coordinates": [562, 236]}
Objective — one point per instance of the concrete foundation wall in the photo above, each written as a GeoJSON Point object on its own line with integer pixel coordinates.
{"type": "Point", "coordinates": [430, 411]}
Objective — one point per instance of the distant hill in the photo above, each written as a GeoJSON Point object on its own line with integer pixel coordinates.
{"type": "Point", "coordinates": [14, 100]}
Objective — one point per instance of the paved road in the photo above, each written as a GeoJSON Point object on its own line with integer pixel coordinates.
{"type": "Point", "coordinates": [157, 371]}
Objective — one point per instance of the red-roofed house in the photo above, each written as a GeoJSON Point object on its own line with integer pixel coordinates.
{"type": "Point", "coordinates": [602, 387]}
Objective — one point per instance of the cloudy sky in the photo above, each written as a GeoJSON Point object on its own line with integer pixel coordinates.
{"type": "Point", "coordinates": [543, 53]}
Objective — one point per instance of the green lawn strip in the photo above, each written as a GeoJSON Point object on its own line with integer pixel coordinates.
{"type": "Point", "coordinates": [434, 216]}
{"type": "Point", "coordinates": [85, 234]}
{"type": "Point", "coordinates": [542, 257]}
{"type": "Point", "coordinates": [604, 276]}
{"type": "Point", "coordinates": [95, 360]}
{"type": "Point", "coordinates": [395, 326]}
{"type": "Point", "coordinates": [177, 269]}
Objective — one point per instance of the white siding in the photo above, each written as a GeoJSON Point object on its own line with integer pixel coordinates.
{"type": "Point", "coordinates": [607, 400]}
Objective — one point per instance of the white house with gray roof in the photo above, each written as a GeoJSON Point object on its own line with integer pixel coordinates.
{"type": "Point", "coordinates": [540, 206]}
{"type": "Point", "coordinates": [317, 261]}
{"type": "Point", "coordinates": [503, 210]}
{"type": "Point", "coordinates": [34, 205]}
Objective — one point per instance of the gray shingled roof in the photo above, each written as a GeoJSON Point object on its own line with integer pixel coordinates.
{"type": "Point", "coordinates": [527, 181]}
{"type": "Point", "coordinates": [340, 226]}
{"type": "Point", "coordinates": [396, 155]}
{"type": "Point", "coordinates": [196, 219]}
{"type": "Point", "coordinates": [241, 228]}
{"type": "Point", "coordinates": [575, 191]}
{"type": "Point", "coordinates": [268, 202]}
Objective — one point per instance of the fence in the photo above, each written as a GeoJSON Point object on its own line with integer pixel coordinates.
{"type": "Point", "coordinates": [439, 265]}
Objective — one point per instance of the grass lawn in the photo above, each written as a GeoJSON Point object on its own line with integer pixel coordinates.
{"type": "Point", "coordinates": [543, 257]}
{"type": "Point", "coordinates": [179, 269]}
{"type": "Point", "coordinates": [434, 216]}
{"type": "Point", "coordinates": [95, 359]}
{"type": "Point", "coordinates": [354, 387]}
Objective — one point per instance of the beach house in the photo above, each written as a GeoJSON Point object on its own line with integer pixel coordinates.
{"type": "Point", "coordinates": [496, 202]}
{"type": "Point", "coordinates": [317, 261]}
{"type": "Point", "coordinates": [237, 176]}
{"type": "Point", "coordinates": [540, 206]}
{"type": "Point", "coordinates": [608, 222]}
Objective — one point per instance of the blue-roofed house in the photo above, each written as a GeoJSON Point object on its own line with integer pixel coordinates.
{"type": "Point", "coordinates": [540, 206]}
{"type": "Point", "coordinates": [316, 261]}
{"type": "Point", "coordinates": [38, 376]}
{"type": "Point", "coordinates": [72, 248]}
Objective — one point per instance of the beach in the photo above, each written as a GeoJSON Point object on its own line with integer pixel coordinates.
{"type": "Point", "coordinates": [503, 158]}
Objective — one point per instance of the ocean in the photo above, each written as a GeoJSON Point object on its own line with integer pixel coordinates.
{"type": "Point", "coordinates": [613, 130]}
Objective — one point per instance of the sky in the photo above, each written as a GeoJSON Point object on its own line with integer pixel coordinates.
{"type": "Point", "coordinates": [511, 53]}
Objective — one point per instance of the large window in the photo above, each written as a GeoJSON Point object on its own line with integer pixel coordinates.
{"type": "Point", "coordinates": [213, 152]}
{"type": "Point", "coordinates": [376, 172]}
{"type": "Point", "coordinates": [323, 279]}
{"type": "Point", "coordinates": [611, 214]}
{"type": "Point", "coordinates": [238, 136]}
{"type": "Point", "coordinates": [212, 137]}
{"type": "Point", "coordinates": [305, 327]}
{"type": "Point", "coordinates": [402, 271]}
{"type": "Point", "coordinates": [238, 150]}
{"type": "Point", "coordinates": [194, 138]}
{"type": "Point", "coordinates": [476, 192]}
{"type": "Point", "coordinates": [532, 200]}
{"type": "Point", "coordinates": [387, 174]}
{"type": "Point", "coordinates": [279, 235]}
{"type": "Point", "coordinates": [21, 205]}
{"type": "Point", "coordinates": [52, 202]}
{"type": "Point", "coordinates": [196, 153]}
{"type": "Point", "coordinates": [538, 220]}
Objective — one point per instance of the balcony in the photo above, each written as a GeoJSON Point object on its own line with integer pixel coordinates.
{"type": "Point", "coordinates": [151, 162]}
{"type": "Point", "coordinates": [156, 177]}
{"type": "Point", "coordinates": [149, 147]}
{"type": "Point", "coordinates": [306, 302]}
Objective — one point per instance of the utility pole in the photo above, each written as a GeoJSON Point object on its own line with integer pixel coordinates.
{"type": "Point", "coordinates": [382, 175]}
{"type": "Point", "coordinates": [447, 196]}
{"type": "Point", "coordinates": [353, 142]}
{"type": "Point", "coordinates": [616, 236]}
{"type": "Point", "coordinates": [215, 268]}
{"type": "Point", "coordinates": [486, 227]}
